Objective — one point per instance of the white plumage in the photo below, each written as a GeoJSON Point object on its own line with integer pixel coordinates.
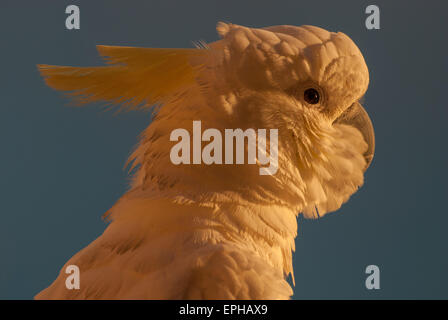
{"type": "Point", "coordinates": [223, 231]}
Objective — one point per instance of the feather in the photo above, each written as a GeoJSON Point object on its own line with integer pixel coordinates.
{"type": "Point", "coordinates": [134, 77]}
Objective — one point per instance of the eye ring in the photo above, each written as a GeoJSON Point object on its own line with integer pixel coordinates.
{"type": "Point", "coordinates": [311, 96]}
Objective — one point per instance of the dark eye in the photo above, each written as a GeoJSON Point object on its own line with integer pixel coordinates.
{"type": "Point", "coordinates": [311, 96]}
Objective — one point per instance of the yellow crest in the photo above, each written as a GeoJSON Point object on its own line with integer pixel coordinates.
{"type": "Point", "coordinates": [133, 77]}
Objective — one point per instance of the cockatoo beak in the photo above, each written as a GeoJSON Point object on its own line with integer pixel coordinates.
{"type": "Point", "coordinates": [357, 117]}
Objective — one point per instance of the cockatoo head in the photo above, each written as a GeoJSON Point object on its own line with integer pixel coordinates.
{"type": "Point", "coordinates": [318, 74]}
{"type": "Point", "coordinates": [307, 82]}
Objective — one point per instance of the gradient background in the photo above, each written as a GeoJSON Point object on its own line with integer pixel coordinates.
{"type": "Point", "coordinates": [61, 168]}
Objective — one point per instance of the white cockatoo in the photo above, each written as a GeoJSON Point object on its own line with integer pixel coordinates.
{"type": "Point", "coordinates": [210, 231]}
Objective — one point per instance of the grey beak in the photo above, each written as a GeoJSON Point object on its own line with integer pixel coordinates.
{"type": "Point", "coordinates": [357, 117]}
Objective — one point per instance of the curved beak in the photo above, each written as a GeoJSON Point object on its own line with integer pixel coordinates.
{"type": "Point", "coordinates": [357, 117]}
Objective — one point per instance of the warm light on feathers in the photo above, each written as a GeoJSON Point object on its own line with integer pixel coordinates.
{"type": "Point", "coordinates": [134, 77]}
{"type": "Point", "coordinates": [223, 231]}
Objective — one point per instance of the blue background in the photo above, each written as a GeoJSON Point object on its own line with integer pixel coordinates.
{"type": "Point", "coordinates": [61, 168]}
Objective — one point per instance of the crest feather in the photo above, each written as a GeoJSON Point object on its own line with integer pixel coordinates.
{"type": "Point", "coordinates": [133, 76]}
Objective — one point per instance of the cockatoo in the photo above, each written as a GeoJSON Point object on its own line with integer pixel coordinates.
{"type": "Point", "coordinates": [209, 231]}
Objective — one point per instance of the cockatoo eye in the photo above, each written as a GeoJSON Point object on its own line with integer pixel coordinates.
{"type": "Point", "coordinates": [311, 96]}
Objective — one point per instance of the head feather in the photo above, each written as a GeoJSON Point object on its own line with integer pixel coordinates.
{"type": "Point", "coordinates": [134, 77]}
